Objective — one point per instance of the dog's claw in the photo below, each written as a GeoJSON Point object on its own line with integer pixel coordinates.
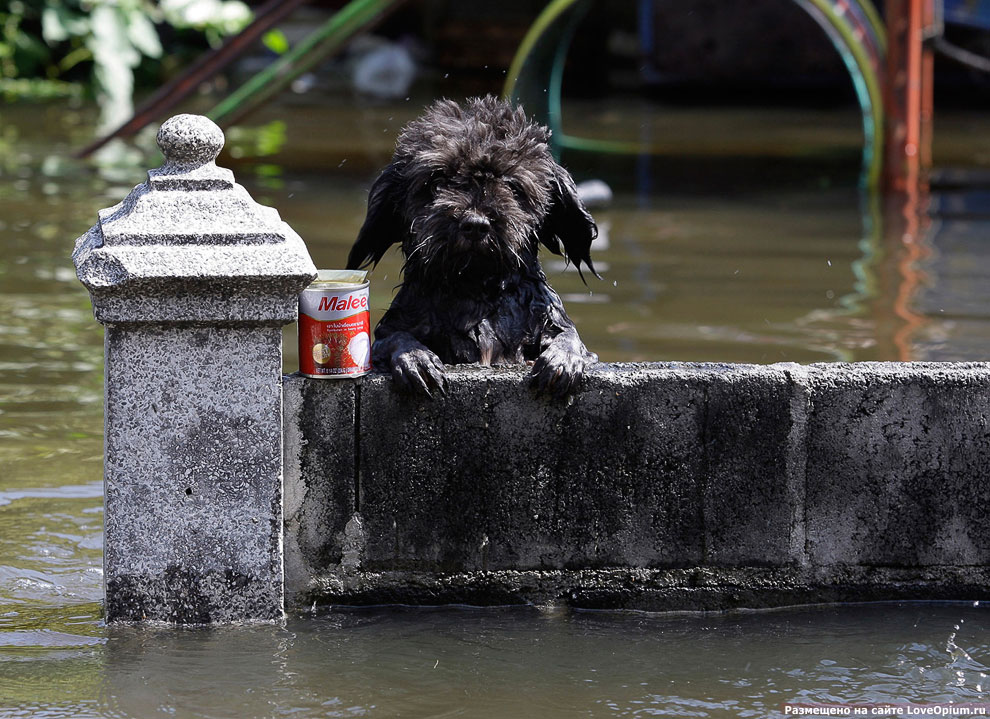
{"type": "Point", "coordinates": [557, 372]}
{"type": "Point", "coordinates": [419, 371]}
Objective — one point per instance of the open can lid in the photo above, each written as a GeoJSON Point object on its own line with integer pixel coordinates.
{"type": "Point", "coordinates": [340, 277]}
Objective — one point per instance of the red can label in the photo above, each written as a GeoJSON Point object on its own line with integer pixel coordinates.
{"type": "Point", "coordinates": [334, 330]}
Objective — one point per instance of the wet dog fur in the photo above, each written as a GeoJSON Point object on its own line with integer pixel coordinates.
{"type": "Point", "coordinates": [471, 193]}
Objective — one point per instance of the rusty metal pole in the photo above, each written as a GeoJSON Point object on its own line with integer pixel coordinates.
{"type": "Point", "coordinates": [908, 100]}
{"type": "Point", "coordinates": [908, 94]}
{"type": "Point", "coordinates": [931, 28]}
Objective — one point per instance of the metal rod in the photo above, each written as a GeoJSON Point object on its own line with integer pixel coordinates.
{"type": "Point", "coordinates": [357, 15]}
{"type": "Point", "coordinates": [204, 68]}
{"type": "Point", "coordinates": [908, 93]}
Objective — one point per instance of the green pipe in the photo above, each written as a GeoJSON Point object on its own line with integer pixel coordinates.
{"type": "Point", "coordinates": [557, 68]}
{"type": "Point", "coordinates": [865, 81]}
{"type": "Point", "coordinates": [873, 18]}
{"type": "Point", "coordinates": [536, 31]}
{"type": "Point", "coordinates": [327, 38]}
{"type": "Point", "coordinates": [861, 67]}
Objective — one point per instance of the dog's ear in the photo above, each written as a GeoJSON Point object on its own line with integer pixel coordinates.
{"type": "Point", "coordinates": [383, 225]}
{"type": "Point", "coordinates": [568, 223]}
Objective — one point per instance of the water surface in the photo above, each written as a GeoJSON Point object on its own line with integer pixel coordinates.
{"type": "Point", "coordinates": [502, 663]}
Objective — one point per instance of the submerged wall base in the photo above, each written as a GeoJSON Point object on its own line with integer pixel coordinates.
{"type": "Point", "coordinates": [658, 590]}
{"type": "Point", "coordinates": [661, 486]}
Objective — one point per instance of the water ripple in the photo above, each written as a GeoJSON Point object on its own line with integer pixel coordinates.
{"type": "Point", "coordinates": [92, 490]}
{"type": "Point", "coordinates": [46, 639]}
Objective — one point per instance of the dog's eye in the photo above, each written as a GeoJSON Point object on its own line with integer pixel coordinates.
{"type": "Point", "coordinates": [517, 189]}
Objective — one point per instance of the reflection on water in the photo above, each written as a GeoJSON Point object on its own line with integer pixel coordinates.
{"type": "Point", "coordinates": [753, 274]}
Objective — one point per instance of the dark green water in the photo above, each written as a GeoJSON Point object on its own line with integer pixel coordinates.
{"type": "Point", "coordinates": [755, 272]}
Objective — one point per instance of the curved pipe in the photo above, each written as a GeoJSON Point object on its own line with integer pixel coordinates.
{"type": "Point", "coordinates": [853, 26]}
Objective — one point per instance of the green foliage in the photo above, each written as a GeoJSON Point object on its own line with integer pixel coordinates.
{"type": "Point", "coordinates": [38, 89]}
{"type": "Point", "coordinates": [276, 41]}
{"type": "Point", "coordinates": [257, 141]}
{"type": "Point", "coordinates": [18, 49]}
{"type": "Point", "coordinates": [45, 45]}
{"type": "Point", "coordinates": [214, 18]}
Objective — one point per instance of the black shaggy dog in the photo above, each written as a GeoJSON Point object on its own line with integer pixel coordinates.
{"type": "Point", "coordinates": [471, 193]}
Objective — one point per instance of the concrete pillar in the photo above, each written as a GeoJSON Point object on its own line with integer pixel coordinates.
{"type": "Point", "coordinates": [193, 281]}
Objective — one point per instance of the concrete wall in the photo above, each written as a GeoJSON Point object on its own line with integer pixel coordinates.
{"type": "Point", "coordinates": [660, 486]}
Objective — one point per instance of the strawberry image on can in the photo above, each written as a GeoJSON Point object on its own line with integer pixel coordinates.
{"type": "Point", "coordinates": [335, 325]}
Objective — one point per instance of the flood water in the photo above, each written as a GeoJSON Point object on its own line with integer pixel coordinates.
{"type": "Point", "coordinates": [765, 266]}
{"type": "Point", "coordinates": [504, 663]}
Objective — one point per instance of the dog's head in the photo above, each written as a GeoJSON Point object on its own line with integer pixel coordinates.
{"type": "Point", "coordinates": [473, 189]}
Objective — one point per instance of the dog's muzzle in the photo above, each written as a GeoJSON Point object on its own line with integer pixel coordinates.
{"type": "Point", "coordinates": [474, 225]}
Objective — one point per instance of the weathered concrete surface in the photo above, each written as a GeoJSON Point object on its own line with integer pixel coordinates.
{"type": "Point", "coordinates": [491, 479]}
{"type": "Point", "coordinates": [899, 465]}
{"type": "Point", "coordinates": [193, 281]}
{"type": "Point", "coordinates": [320, 473]}
{"type": "Point", "coordinates": [661, 486]}
{"type": "Point", "coordinates": [193, 520]}
{"type": "Point", "coordinates": [754, 478]}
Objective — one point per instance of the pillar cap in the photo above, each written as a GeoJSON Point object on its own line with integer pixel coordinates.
{"type": "Point", "coordinates": [190, 139]}
{"type": "Point", "coordinates": [191, 245]}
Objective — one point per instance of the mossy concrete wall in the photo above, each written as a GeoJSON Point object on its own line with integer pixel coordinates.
{"type": "Point", "coordinates": [659, 486]}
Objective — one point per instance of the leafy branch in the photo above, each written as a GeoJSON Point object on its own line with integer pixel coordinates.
{"type": "Point", "coordinates": [44, 45]}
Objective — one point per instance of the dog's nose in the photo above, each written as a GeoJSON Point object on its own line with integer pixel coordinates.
{"type": "Point", "coordinates": [475, 224]}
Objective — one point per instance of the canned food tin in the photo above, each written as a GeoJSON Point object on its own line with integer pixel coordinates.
{"type": "Point", "coordinates": [335, 326]}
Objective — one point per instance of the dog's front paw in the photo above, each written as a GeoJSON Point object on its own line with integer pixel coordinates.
{"type": "Point", "coordinates": [419, 371]}
{"type": "Point", "coordinates": [557, 372]}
